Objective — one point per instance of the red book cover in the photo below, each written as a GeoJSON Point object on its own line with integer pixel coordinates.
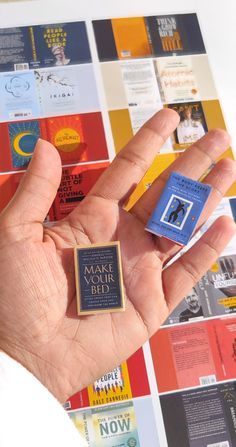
{"type": "Point", "coordinates": [224, 347]}
{"type": "Point", "coordinates": [78, 138]}
{"type": "Point", "coordinates": [193, 356]}
{"type": "Point", "coordinates": [94, 136]}
{"type": "Point", "coordinates": [76, 182]}
{"type": "Point", "coordinates": [163, 361]}
{"type": "Point", "coordinates": [5, 152]}
{"type": "Point", "coordinates": [185, 352]}
{"type": "Point", "coordinates": [66, 134]}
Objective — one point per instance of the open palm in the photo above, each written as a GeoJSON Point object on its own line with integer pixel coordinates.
{"type": "Point", "coordinates": [38, 322]}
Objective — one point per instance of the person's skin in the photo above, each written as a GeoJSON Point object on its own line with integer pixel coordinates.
{"type": "Point", "coordinates": [38, 322]}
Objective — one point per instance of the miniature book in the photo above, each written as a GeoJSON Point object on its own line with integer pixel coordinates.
{"type": "Point", "coordinates": [179, 208]}
{"type": "Point", "coordinates": [99, 281]}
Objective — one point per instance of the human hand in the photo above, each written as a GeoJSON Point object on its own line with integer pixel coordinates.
{"type": "Point", "coordinates": [38, 322]}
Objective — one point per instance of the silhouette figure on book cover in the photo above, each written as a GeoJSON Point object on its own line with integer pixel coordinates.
{"type": "Point", "coordinates": [175, 213]}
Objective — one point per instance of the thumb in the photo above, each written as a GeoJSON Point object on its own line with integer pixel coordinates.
{"type": "Point", "coordinates": [38, 187]}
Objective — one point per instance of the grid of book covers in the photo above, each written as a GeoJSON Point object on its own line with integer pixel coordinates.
{"type": "Point", "coordinates": [88, 87]}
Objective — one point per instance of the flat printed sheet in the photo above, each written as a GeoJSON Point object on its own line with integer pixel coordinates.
{"type": "Point", "coordinates": [87, 87]}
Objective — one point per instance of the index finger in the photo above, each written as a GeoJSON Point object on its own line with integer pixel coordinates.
{"type": "Point", "coordinates": [131, 163]}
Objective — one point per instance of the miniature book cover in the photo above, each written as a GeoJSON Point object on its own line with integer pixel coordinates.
{"type": "Point", "coordinates": [23, 138]}
{"type": "Point", "coordinates": [122, 38]}
{"type": "Point", "coordinates": [127, 381]}
{"type": "Point", "coordinates": [99, 281]}
{"type": "Point", "coordinates": [64, 90]}
{"type": "Point", "coordinates": [175, 34]}
{"type": "Point", "coordinates": [192, 308]}
{"type": "Point", "coordinates": [189, 353]}
{"type": "Point", "coordinates": [108, 426]}
{"type": "Point", "coordinates": [16, 48]}
{"type": "Point", "coordinates": [195, 354]}
{"type": "Point", "coordinates": [43, 46]}
{"type": "Point", "coordinates": [19, 99]}
{"type": "Point", "coordinates": [131, 37]}
{"type": "Point", "coordinates": [115, 425]}
{"type": "Point", "coordinates": [78, 138]}
{"type": "Point", "coordinates": [178, 79]}
{"type": "Point", "coordinates": [179, 208]}
{"type": "Point", "coordinates": [76, 182]}
{"type": "Point", "coordinates": [141, 89]}
{"type": "Point", "coordinates": [66, 134]}
{"type": "Point", "coordinates": [218, 286]}
{"type": "Point", "coordinates": [195, 417]}
{"type": "Point", "coordinates": [114, 386]}
{"type": "Point", "coordinates": [54, 44]}
{"type": "Point", "coordinates": [192, 125]}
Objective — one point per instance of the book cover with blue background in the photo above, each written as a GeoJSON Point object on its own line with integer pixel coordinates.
{"type": "Point", "coordinates": [179, 208]}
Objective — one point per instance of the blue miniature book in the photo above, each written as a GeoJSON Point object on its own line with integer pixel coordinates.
{"type": "Point", "coordinates": [179, 208]}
